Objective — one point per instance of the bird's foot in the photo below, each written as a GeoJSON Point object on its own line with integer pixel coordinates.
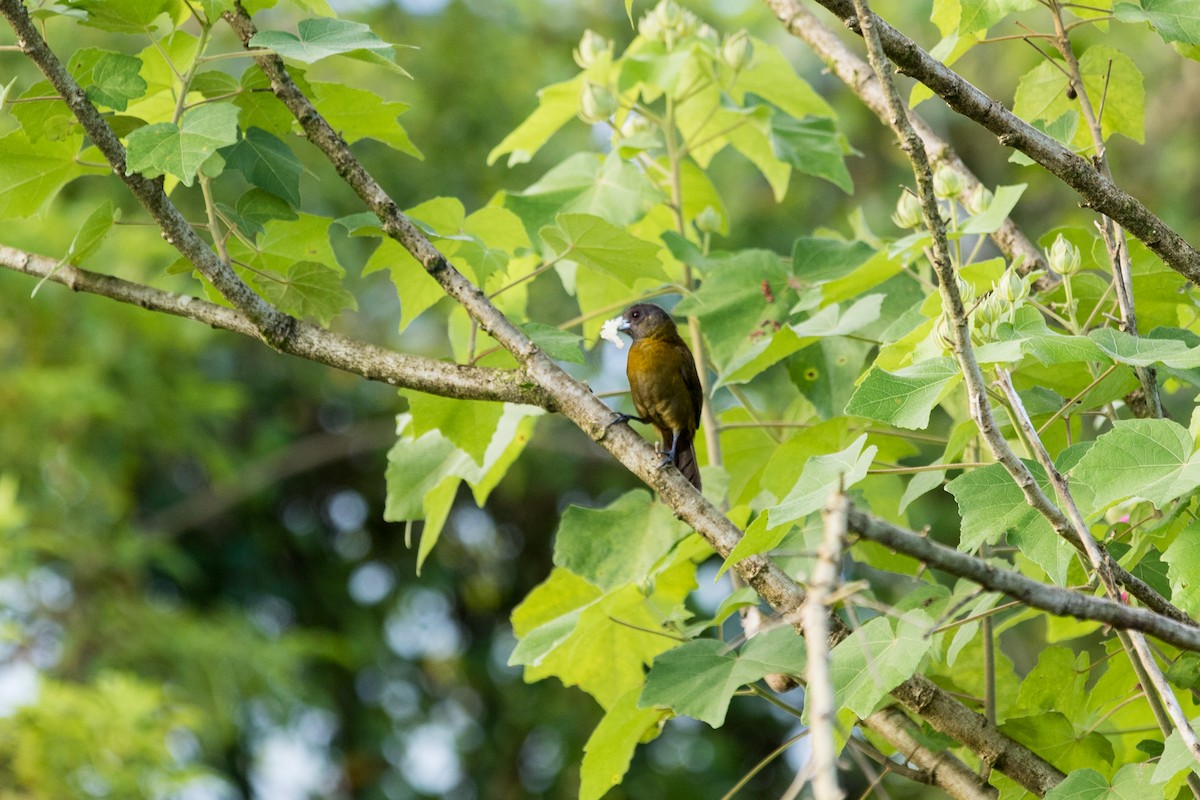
{"type": "Point", "coordinates": [618, 418]}
{"type": "Point", "coordinates": [666, 461]}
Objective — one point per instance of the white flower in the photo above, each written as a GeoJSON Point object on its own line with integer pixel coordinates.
{"type": "Point", "coordinates": [608, 332]}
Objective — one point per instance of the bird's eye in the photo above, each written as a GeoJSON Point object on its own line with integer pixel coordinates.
{"type": "Point", "coordinates": [636, 314]}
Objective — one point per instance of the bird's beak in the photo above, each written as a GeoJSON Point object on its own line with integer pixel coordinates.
{"type": "Point", "coordinates": [624, 325]}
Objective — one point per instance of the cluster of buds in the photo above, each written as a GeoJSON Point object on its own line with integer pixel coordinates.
{"type": "Point", "coordinates": [668, 23]}
{"type": "Point", "coordinates": [1007, 295]}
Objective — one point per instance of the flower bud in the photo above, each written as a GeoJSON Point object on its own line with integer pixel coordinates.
{"type": "Point", "coordinates": [650, 28]}
{"type": "Point", "coordinates": [1013, 287]}
{"type": "Point", "coordinates": [1063, 257]}
{"type": "Point", "coordinates": [977, 201]}
{"type": "Point", "coordinates": [947, 183]}
{"type": "Point", "coordinates": [991, 312]}
{"type": "Point", "coordinates": [737, 51]}
{"type": "Point", "coordinates": [596, 103]}
{"type": "Point", "coordinates": [708, 33]}
{"type": "Point", "coordinates": [908, 211]}
{"type": "Point", "coordinates": [943, 332]}
{"type": "Point", "coordinates": [668, 13]}
{"type": "Point", "coordinates": [708, 220]}
{"type": "Point", "coordinates": [967, 292]}
{"type": "Point", "coordinates": [591, 47]}
{"type": "Point", "coordinates": [687, 25]}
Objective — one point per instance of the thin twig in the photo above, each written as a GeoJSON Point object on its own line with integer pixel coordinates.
{"type": "Point", "coordinates": [822, 709]}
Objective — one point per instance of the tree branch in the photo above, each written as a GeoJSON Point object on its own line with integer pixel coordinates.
{"type": "Point", "coordinates": [942, 769]}
{"type": "Point", "coordinates": [858, 77]}
{"type": "Point", "coordinates": [307, 341]}
{"type": "Point", "coordinates": [1098, 191]}
{"type": "Point", "coordinates": [1053, 599]}
{"type": "Point", "coordinates": [815, 613]}
{"type": "Point", "coordinates": [274, 326]}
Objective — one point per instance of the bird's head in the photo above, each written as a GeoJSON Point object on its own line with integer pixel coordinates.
{"type": "Point", "coordinates": [646, 320]}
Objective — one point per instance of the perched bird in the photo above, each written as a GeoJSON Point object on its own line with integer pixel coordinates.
{"type": "Point", "coordinates": [664, 384]}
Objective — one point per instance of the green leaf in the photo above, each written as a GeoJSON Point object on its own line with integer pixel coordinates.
{"type": "Point", "coordinates": [213, 9]}
{"type": "Point", "coordinates": [831, 321]}
{"type": "Point", "coordinates": [558, 103]}
{"type": "Point", "coordinates": [813, 146]}
{"type": "Point", "coordinates": [115, 81]}
{"type": "Point", "coordinates": [904, 398]}
{"type": "Point", "coordinates": [309, 289]}
{"type": "Point", "coordinates": [599, 642]}
{"type": "Point", "coordinates": [44, 119]}
{"type": "Point", "coordinates": [587, 183]}
{"type": "Point", "coordinates": [1176, 757]}
{"type": "Point", "coordinates": [1137, 351]}
{"type": "Point", "coordinates": [877, 658]}
{"type": "Point", "coordinates": [1149, 458]}
{"type": "Point", "coordinates": [127, 16]}
{"type": "Point", "coordinates": [992, 217]}
{"type": "Point", "coordinates": [1041, 94]}
{"type": "Point", "coordinates": [359, 114]}
{"type": "Point", "coordinates": [772, 77]}
{"type": "Point", "coordinates": [618, 544]}
{"type": "Point", "coordinates": [267, 163]}
{"type": "Point", "coordinates": [1184, 671]}
{"type": "Point", "coordinates": [698, 679]}
{"type": "Point", "coordinates": [1183, 568]}
{"type": "Point", "coordinates": [590, 241]}
{"type": "Point", "coordinates": [32, 174]}
{"type": "Point", "coordinates": [991, 504]}
{"type": "Point", "coordinates": [256, 208]}
{"type": "Point", "coordinates": [558, 344]}
{"type": "Point", "coordinates": [1056, 683]}
{"type": "Point", "coordinates": [822, 476]}
{"type": "Point", "coordinates": [1052, 736]}
{"type": "Point", "coordinates": [609, 749]}
{"type": "Point", "coordinates": [422, 473]}
{"type": "Point", "coordinates": [323, 37]}
{"type": "Point", "coordinates": [416, 289]}
{"type": "Point", "coordinates": [979, 15]}
{"type": "Point", "coordinates": [469, 424]}
{"type": "Point", "coordinates": [818, 260]}
{"type": "Point", "coordinates": [92, 233]}
{"type": "Point", "coordinates": [1175, 20]}
{"type": "Point", "coordinates": [87, 239]}
{"type": "Point", "coordinates": [165, 148]}
{"type": "Point", "coordinates": [732, 301]}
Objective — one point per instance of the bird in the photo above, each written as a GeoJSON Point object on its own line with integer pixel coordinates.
{"type": "Point", "coordinates": [664, 384]}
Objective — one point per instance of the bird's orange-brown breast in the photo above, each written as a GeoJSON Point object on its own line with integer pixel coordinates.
{"type": "Point", "coordinates": [663, 382]}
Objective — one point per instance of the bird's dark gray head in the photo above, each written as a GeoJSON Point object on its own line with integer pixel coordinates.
{"type": "Point", "coordinates": [646, 320]}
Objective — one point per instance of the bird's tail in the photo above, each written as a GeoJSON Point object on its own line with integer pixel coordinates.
{"type": "Point", "coordinates": [685, 459]}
